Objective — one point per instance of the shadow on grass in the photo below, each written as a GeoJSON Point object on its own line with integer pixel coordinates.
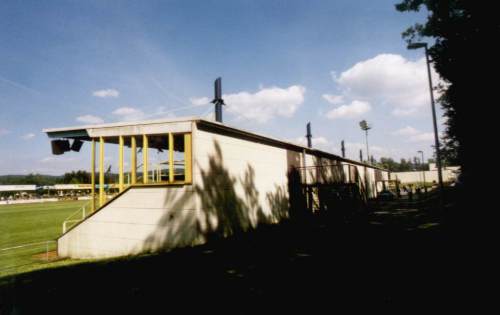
{"type": "Point", "coordinates": [315, 267]}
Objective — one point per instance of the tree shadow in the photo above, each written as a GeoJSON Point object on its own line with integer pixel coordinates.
{"type": "Point", "coordinates": [224, 213]}
{"type": "Point", "coordinates": [219, 205]}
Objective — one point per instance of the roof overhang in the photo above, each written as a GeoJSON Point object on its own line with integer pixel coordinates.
{"type": "Point", "coordinates": [182, 125]}
{"type": "Point", "coordinates": [147, 127]}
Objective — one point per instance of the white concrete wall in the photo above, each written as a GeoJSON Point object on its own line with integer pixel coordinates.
{"type": "Point", "coordinates": [449, 175]}
{"type": "Point", "coordinates": [140, 220]}
{"type": "Point", "coordinates": [251, 174]}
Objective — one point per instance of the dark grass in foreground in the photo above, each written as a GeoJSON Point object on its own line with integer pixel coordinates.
{"type": "Point", "coordinates": [318, 267]}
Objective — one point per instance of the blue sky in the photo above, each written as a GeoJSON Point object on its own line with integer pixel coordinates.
{"type": "Point", "coordinates": [283, 63]}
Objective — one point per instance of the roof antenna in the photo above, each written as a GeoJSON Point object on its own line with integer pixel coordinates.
{"type": "Point", "coordinates": [343, 148]}
{"type": "Point", "coordinates": [218, 101]}
{"type": "Point", "coordinates": [309, 135]}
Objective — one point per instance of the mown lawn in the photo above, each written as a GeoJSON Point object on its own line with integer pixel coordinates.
{"type": "Point", "coordinates": [30, 224]}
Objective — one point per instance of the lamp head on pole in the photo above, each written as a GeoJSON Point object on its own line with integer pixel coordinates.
{"type": "Point", "coordinates": [364, 125]}
{"type": "Point", "coordinates": [416, 45]}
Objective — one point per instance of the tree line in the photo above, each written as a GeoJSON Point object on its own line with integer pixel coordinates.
{"type": "Point", "coordinates": [404, 165]}
{"type": "Point", "coordinates": [74, 177]}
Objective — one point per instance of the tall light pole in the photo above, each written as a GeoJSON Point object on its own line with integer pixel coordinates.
{"type": "Point", "coordinates": [364, 126]}
{"type": "Point", "coordinates": [436, 137]}
{"type": "Point", "coordinates": [423, 169]}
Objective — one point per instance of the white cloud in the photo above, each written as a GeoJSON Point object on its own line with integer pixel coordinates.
{"type": "Point", "coordinates": [354, 109]}
{"type": "Point", "coordinates": [58, 159]}
{"type": "Point", "coordinates": [317, 142]}
{"type": "Point", "coordinates": [161, 113]}
{"type": "Point", "coordinates": [4, 131]}
{"type": "Point", "coordinates": [422, 137]}
{"type": "Point", "coordinates": [414, 135]}
{"type": "Point", "coordinates": [129, 113]}
{"type": "Point", "coordinates": [90, 119]}
{"type": "Point", "coordinates": [199, 101]}
{"type": "Point", "coordinates": [106, 93]}
{"type": "Point", "coordinates": [47, 159]}
{"type": "Point", "coordinates": [333, 99]}
{"type": "Point", "coordinates": [28, 136]}
{"type": "Point", "coordinates": [352, 150]}
{"type": "Point", "coordinates": [387, 79]}
{"type": "Point", "coordinates": [265, 104]}
{"type": "Point", "coordinates": [406, 131]}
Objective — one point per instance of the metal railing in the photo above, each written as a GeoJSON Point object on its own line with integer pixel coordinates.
{"type": "Point", "coordinates": [72, 219]}
{"type": "Point", "coordinates": [158, 172]}
{"type": "Point", "coordinates": [322, 174]}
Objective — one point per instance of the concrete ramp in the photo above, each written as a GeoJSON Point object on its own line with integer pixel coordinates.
{"type": "Point", "coordinates": [142, 219]}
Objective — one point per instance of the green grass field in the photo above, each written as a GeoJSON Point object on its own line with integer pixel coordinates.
{"type": "Point", "coordinates": [30, 224]}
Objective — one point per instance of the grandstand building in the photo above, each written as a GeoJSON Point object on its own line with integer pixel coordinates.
{"type": "Point", "coordinates": [208, 178]}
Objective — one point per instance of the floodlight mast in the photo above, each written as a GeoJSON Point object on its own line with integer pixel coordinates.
{"type": "Point", "coordinates": [365, 127]}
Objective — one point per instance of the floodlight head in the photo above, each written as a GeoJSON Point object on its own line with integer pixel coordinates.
{"type": "Point", "coordinates": [77, 145]}
{"type": "Point", "coordinates": [218, 101]}
{"type": "Point", "coordinates": [59, 146]}
{"type": "Point", "coordinates": [420, 151]}
{"type": "Point", "coordinates": [218, 89]}
{"type": "Point", "coordinates": [364, 125]}
{"type": "Point", "coordinates": [309, 135]}
{"type": "Point", "coordinates": [416, 45]}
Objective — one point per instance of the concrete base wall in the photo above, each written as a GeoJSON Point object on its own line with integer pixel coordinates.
{"type": "Point", "coordinates": [449, 175]}
{"type": "Point", "coordinates": [137, 221]}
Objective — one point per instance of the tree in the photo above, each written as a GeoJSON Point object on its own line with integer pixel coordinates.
{"type": "Point", "coordinates": [389, 164]}
{"type": "Point", "coordinates": [463, 37]}
{"type": "Point", "coordinates": [402, 166]}
{"type": "Point", "coordinates": [78, 177]}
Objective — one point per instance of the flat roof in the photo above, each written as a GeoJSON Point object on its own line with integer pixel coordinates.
{"type": "Point", "coordinates": [5, 188]}
{"type": "Point", "coordinates": [121, 124]}
{"type": "Point", "coordinates": [181, 124]}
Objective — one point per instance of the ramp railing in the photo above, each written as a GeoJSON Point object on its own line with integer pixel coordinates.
{"type": "Point", "coordinates": [76, 217]}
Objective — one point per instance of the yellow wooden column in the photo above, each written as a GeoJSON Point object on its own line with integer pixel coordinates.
{"type": "Point", "coordinates": [145, 146]}
{"type": "Point", "coordinates": [102, 196]}
{"type": "Point", "coordinates": [188, 177]}
{"type": "Point", "coordinates": [170, 157]}
{"type": "Point", "coordinates": [133, 155]}
{"type": "Point", "coordinates": [92, 175]}
{"type": "Point", "coordinates": [120, 164]}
